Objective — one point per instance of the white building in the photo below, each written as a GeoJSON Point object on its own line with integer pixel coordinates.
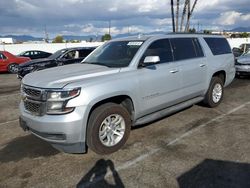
{"type": "Point", "coordinates": [7, 41]}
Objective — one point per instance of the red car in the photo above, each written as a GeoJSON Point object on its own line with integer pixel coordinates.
{"type": "Point", "coordinates": [10, 62]}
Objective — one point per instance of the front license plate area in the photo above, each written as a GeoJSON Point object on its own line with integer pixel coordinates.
{"type": "Point", "coordinates": [23, 124]}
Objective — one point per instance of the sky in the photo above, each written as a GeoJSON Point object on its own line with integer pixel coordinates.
{"type": "Point", "coordinates": [88, 17]}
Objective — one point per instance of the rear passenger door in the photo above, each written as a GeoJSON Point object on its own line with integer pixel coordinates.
{"type": "Point", "coordinates": [193, 66]}
{"type": "Point", "coordinates": [159, 84]}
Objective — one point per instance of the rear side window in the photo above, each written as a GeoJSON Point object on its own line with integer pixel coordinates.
{"type": "Point", "coordinates": [218, 46]}
{"type": "Point", "coordinates": [186, 48]}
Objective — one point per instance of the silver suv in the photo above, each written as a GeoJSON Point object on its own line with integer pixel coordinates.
{"type": "Point", "coordinates": [123, 83]}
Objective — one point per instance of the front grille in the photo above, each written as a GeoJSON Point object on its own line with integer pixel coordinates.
{"type": "Point", "coordinates": [33, 93]}
{"type": "Point", "coordinates": [33, 100]}
{"type": "Point", "coordinates": [33, 107]}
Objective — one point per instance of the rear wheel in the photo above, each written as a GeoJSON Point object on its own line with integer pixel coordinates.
{"type": "Point", "coordinates": [215, 92]}
{"type": "Point", "coordinates": [108, 128]}
{"type": "Point", "coordinates": [13, 68]}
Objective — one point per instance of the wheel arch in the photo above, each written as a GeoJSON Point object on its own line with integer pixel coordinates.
{"type": "Point", "coordinates": [221, 74]}
{"type": "Point", "coordinates": [124, 100]}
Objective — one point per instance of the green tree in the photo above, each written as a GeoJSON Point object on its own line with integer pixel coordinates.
{"type": "Point", "coordinates": [58, 39]}
{"type": "Point", "coordinates": [244, 35]}
{"type": "Point", "coordinates": [207, 31]}
{"type": "Point", "coordinates": [193, 30]}
{"type": "Point", "coordinates": [106, 37]}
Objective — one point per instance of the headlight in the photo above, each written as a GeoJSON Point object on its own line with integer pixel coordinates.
{"type": "Point", "coordinates": [43, 64]}
{"type": "Point", "coordinates": [28, 68]}
{"type": "Point", "coordinates": [57, 100]}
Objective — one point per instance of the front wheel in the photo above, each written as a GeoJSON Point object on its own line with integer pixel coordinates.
{"type": "Point", "coordinates": [13, 68]}
{"type": "Point", "coordinates": [215, 92]}
{"type": "Point", "coordinates": [108, 128]}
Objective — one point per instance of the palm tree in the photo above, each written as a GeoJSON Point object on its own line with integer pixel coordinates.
{"type": "Point", "coordinates": [184, 13]}
{"type": "Point", "coordinates": [172, 12]}
{"type": "Point", "coordinates": [177, 15]}
{"type": "Point", "coordinates": [190, 14]}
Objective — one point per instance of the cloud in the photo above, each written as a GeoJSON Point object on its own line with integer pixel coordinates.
{"type": "Point", "coordinates": [231, 18]}
{"type": "Point", "coordinates": [92, 16]}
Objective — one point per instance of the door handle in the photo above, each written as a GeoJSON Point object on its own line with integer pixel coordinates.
{"type": "Point", "coordinates": [174, 71]}
{"type": "Point", "coordinates": [202, 65]}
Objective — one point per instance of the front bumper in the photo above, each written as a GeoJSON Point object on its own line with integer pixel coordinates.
{"type": "Point", "coordinates": [64, 132]}
{"type": "Point", "coordinates": [242, 69]}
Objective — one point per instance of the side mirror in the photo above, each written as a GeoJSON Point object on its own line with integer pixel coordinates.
{"type": "Point", "coordinates": [151, 60]}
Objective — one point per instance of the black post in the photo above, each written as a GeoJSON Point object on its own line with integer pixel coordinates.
{"type": "Point", "coordinates": [172, 11]}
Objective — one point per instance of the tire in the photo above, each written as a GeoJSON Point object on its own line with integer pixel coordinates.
{"type": "Point", "coordinates": [100, 132]}
{"type": "Point", "coordinates": [215, 92]}
{"type": "Point", "coordinates": [13, 68]}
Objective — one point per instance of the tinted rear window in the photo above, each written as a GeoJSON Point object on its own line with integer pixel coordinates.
{"type": "Point", "coordinates": [218, 46]}
{"type": "Point", "coordinates": [186, 48]}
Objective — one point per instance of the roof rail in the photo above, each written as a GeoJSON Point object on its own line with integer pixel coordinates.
{"type": "Point", "coordinates": [170, 33]}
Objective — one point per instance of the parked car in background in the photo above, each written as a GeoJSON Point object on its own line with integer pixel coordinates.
{"type": "Point", "coordinates": [242, 64]}
{"type": "Point", "coordinates": [237, 52]}
{"type": "Point", "coordinates": [245, 47]}
{"type": "Point", "coordinates": [61, 57]}
{"type": "Point", "coordinates": [10, 62]}
{"type": "Point", "coordinates": [35, 54]}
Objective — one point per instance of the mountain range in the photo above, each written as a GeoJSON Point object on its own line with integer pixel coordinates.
{"type": "Point", "coordinates": [23, 38]}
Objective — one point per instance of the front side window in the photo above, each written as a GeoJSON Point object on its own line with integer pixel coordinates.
{"type": "Point", "coordinates": [218, 46]}
{"type": "Point", "coordinates": [2, 56]}
{"type": "Point", "coordinates": [114, 54]}
{"type": "Point", "coordinates": [161, 48]}
{"type": "Point", "coordinates": [57, 54]}
{"type": "Point", "coordinates": [85, 52]}
{"type": "Point", "coordinates": [71, 55]}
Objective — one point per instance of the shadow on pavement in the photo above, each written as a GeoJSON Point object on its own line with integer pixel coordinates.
{"type": "Point", "coordinates": [26, 146]}
{"type": "Point", "coordinates": [217, 174]}
{"type": "Point", "coordinates": [96, 176]}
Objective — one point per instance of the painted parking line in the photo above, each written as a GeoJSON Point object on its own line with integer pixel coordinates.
{"type": "Point", "coordinates": [11, 121]}
{"type": "Point", "coordinates": [140, 158]}
{"type": "Point", "coordinates": [9, 95]}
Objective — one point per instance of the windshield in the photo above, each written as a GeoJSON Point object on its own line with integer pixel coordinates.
{"type": "Point", "coordinates": [247, 52]}
{"type": "Point", "coordinates": [21, 53]}
{"type": "Point", "coordinates": [114, 54]}
{"type": "Point", "coordinates": [57, 54]}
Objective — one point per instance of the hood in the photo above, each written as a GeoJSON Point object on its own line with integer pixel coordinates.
{"type": "Point", "coordinates": [24, 58]}
{"type": "Point", "coordinates": [245, 59]}
{"type": "Point", "coordinates": [35, 61]}
{"type": "Point", "coordinates": [59, 77]}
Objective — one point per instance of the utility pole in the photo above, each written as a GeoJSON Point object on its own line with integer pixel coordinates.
{"type": "Point", "coordinates": [109, 27]}
{"type": "Point", "coordinates": [172, 12]}
{"type": "Point", "coordinates": [46, 39]}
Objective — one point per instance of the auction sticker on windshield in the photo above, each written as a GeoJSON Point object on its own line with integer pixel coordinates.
{"type": "Point", "coordinates": [135, 43]}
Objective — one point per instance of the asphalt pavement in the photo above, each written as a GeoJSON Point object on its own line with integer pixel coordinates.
{"type": "Point", "coordinates": [196, 147]}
